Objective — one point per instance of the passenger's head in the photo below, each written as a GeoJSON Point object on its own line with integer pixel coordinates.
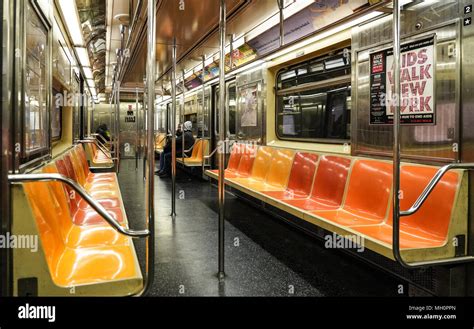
{"type": "Point", "coordinates": [188, 125]}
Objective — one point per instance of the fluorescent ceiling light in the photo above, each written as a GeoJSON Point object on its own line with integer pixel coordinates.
{"type": "Point", "coordinates": [83, 56]}
{"type": "Point", "coordinates": [91, 83]}
{"type": "Point", "coordinates": [88, 73]}
{"type": "Point", "coordinates": [71, 20]}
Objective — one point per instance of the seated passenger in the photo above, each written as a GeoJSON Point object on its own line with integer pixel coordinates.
{"type": "Point", "coordinates": [103, 131]}
{"type": "Point", "coordinates": [165, 159]}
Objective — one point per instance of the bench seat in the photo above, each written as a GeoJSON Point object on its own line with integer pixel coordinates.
{"type": "Point", "coordinates": [352, 196]}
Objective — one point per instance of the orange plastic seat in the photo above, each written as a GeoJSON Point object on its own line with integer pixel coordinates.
{"type": "Point", "coordinates": [97, 195]}
{"type": "Point", "coordinates": [196, 157]}
{"type": "Point", "coordinates": [270, 171]}
{"type": "Point", "coordinates": [328, 187]}
{"type": "Point", "coordinates": [367, 197]}
{"type": "Point", "coordinates": [78, 255]}
{"type": "Point", "coordinates": [92, 177]}
{"type": "Point", "coordinates": [79, 216]}
{"type": "Point", "coordinates": [73, 235]}
{"type": "Point", "coordinates": [240, 161]}
{"type": "Point", "coordinates": [98, 156]}
{"type": "Point", "coordinates": [429, 226]}
{"type": "Point", "coordinates": [301, 178]}
{"type": "Point", "coordinates": [97, 190]}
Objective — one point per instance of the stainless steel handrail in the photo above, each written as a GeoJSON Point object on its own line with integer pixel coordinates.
{"type": "Point", "coordinates": [432, 184]}
{"type": "Point", "coordinates": [23, 178]}
{"type": "Point", "coordinates": [106, 152]}
{"type": "Point", "coordinates": [396, 164]}
{"type": "Point", "coordinates": [102, 141]}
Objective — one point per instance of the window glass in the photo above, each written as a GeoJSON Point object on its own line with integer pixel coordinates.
{"type": "Point", "coordinates": [232, 106]}
{"type": "Point", "coordinates": [36, 123]}
{"type": "Point", "coordinates": [56, 119]}
{"type": "Point", "coordinates": [313, 99]}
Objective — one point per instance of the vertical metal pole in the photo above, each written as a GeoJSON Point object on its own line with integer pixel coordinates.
{"type": "Point", "coordinates": [117, 122]}
{"type": "Point", "coordinates": [137, 138]}
{"type": "Point", "coordinates": [395, 101]}
{"type": "Point", "coordinates": [231, 52]}
{"type": "Point", "coordinates": [150, 191]}
{"type": "Point", "coordinates": [173, 132]}
{"type": "Point", "coordinates": [221, 151]}
{"type": "Point", "coordinates": [183, 108]}
{"type": "Point", "coordinates": [145, 120]}
{"type": "Point", "coordinates": [202, 114]}
{"type": "Point", "coordinates": [282, 19]}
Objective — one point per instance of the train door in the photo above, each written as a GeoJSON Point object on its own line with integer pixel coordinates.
{"type": "Point", "coordinates": [128, 129]}
{"type": "Point", "coordinates": [204, 117]}
{"type": "Point", "coordinates": [230, 115]}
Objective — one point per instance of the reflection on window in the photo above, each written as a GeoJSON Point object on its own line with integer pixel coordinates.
{"type": "Point", "coordinates": [203, 120]}
{"type": "Point", "coordinates": [36, 123]}
{"type": "Point", "coordinates": [313, 99]}
{"type": "Point", "coordinates": [232, 106]}
{"type": "Point", "coordinates": [56, 119]}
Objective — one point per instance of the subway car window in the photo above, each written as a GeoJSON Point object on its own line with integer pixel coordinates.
{"type": "Point", "coordinates": [312, 99]}
{"type": "Point", "coordinates": [56, 115]}
{"type": "Point", "coordinates": [36, 116]}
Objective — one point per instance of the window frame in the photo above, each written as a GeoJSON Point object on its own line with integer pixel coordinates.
{"type": "Point", "coordinates": [28, 159]}
{"type": "Point", "coordinates": [337, 81]}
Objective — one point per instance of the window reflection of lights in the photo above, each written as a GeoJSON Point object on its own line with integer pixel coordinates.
{"type": "Point", "coordinates": [288, 75]}
{"type": "Point", "coordinates": [335, 63]}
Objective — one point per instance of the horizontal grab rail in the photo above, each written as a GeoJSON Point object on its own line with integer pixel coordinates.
{"type": "Point", "coordinates": [432, 184]}
{"type": "Point", "coordinates": [107, 153]}
{"type": "Point", "coordinates": [22, 178]}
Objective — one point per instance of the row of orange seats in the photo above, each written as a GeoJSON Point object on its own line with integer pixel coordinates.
{"type": "Point", "coordinates": [97, 156]}
{"type": "Point", "coordinates": [80, 247]}
{"type": "Point", "coordinates": [347, 192]}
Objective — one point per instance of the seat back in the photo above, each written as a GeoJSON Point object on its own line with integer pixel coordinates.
{"type": "Point", "coordinates": [435, 214]}
{"type": "Point", "coordinates": [247, 159]}
{"type": "Point", "coordinates": [77, 166]}
{"type": "Point", "coordinates": [280, 168]}
{"type": "Point", "coordinates": [72, 196]}
{"type": "Point", "coordinates": [197, 149]}
{"type": "Point", "coordinates": [79, 149]}
{"type": "Point", "coordinates": [262, 162]}
{"type": "Point", "coordinates": [58, 189]}
{"type": "Point", "coordinates": [302, 173]}
{"type": "Point", "coordinates": [49, 217]}
{"type": "Point", "coordinates": [235, 156]}
{"type": "Point", "coordinates": [204, 149]}
{"type": "Point", "coordinates": [369, 188]}
{"type": "Point", "coordinates": [331, 178]}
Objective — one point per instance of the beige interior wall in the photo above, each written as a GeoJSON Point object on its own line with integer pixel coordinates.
{"type": "Point", "coordinates": [299, 55]}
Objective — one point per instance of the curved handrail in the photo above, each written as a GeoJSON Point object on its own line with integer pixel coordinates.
{"type": "Point", "coordinates": [432, 184]}
{"type": "Point", "coordinates": [22, 178]}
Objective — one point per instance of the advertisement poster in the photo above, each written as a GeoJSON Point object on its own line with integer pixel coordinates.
{"type": "Point", "coordinates": [417, 84]}
{"type": "Point", "coordinates": [192, 81]}
{"type": "Point", "coordinates": [248, 106]}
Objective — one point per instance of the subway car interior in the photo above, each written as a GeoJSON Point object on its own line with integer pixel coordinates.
{"type": "Point", "coordinates": [270, 148]}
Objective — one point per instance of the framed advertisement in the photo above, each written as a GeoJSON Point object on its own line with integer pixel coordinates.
{"type": "Point", "coordinates": [417, 84]}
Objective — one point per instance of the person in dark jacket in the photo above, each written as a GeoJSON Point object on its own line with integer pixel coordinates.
{"type": "Point", "coordinates": [103, 131]}
{"type": "Point", "coordinates": [165, 159]}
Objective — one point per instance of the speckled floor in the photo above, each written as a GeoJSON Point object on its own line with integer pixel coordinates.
{"type": "Point", "coordinates": [264, 256]}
